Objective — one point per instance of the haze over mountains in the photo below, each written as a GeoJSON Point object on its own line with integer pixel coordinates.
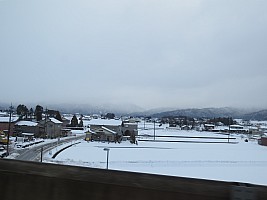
{"type": "Point", "coordinates": [133, 110]}
{"type": "Point", "coordinates": [247, 114]}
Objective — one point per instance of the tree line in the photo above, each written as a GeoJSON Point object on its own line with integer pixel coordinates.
{"type": "Point", "coordinates": [24, 113]}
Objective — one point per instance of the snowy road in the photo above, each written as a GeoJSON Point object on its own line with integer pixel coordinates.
{"type": "Point", "coordinates": [33, 153]}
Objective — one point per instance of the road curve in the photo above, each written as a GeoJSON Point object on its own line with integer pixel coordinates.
{"type": "Point", "coordinates": [34, 152]}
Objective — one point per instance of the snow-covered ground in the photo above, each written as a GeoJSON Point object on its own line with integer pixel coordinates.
{"type": "Point", "coordinates": [239, 161]}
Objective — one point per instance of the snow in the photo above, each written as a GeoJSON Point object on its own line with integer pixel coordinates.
{"type": "Point", "coordinates": [77, 132]}
{"type": "Point", "coordinates": [239, 161]}
{"type": "Point", "coordinates": [6, 119]}
{"type": "Point", "coordinates": [111, 131]}
{"type": "Point", "coordinates": [110, 122]}
{"type": "Point", "coordinates": [54, 120]}
{"type": "Point", "coordinates": [27, 134]}
{"type": "Point", "coordinates": [26, 123]}
{"type": "Point", "coordinates": [2, 114]}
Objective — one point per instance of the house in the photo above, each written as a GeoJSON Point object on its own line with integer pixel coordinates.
{"type": "Point", "coordinates": [186, 127]}
{"type": "Point", "coordinates": [27, 137]}
{"type": "Point", "coordinates": [110, 130]}
{"type": "Point", "coordinates": [111, 124]}
{"type": "Point", "coordinates": [263, 140]}
{"type": "Point", "coordinates": [209, 127]}
{"type": "Point", "coordinates": [65, 121]}
{"type": "Point", "coordinates": [102, 134]}
{"type": "Point", "coordinates": [235, 128]}
{"type": "Point", "coordinates": [26, 127]}
{"type": "Point", "coordinates": [50, 128]}
{"type": "Point", "coordinates": [129, 128]}
{"type": "Point", "coordinates": [4, 123]}
{"type": "Point", "coordinates": [263, 129]}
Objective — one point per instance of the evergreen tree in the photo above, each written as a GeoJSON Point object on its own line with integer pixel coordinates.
{"type": "Point", "coordinates": [110, 115]}
{"type": "Point", "coordinates": [38, 112]}
{"type": "Point", "coordinates": [22, 111]}
{"type": "Point", "coordinates": [81, 123]}
{"type": "Point", "coordinates": [74, 121]}
{"type": "Point", "coordinates": [31, 113]}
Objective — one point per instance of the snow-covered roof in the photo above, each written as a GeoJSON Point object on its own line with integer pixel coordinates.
{"type": "Point", "coordinates": [27, 134]}
{"type": "Point", "coordinates": [103, 122]}
{"type": "Point", "coordinates": [54, 120]}
{"type": "Point", "coordinates": [211, 125]}
{"type": "Point", "coordinates": [253, 128]}
{"type": "Point", "coordinates": [236, 126]}
{"type": "Point", "coordinates": [6, 119]}
{"type": "Point", "coordinates": [107, 129]}
{"type": "Point", "coordinates": [263, 127]}
{"type": "Point", "coordinates": [3, 114]}
{"type": "Point", "coordinates": [258, 122]}
{"type": "Point", "coordinates": [221, 128]}
{"type": "Point", "coordinates": [26, 123]}
{"type": "Point", "coordinates": [129, 123]}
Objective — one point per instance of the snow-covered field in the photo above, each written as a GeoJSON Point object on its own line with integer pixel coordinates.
{"type": "Point", "coordinates": [239, 161]}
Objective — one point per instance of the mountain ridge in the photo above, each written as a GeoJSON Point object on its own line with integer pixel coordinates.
{"type": "Point", "coordinates": [133, 110]}
{"type": "Point", "coordinates": [247, 114]}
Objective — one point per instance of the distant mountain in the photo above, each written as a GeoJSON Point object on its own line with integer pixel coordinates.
{"type": "Point", "coordinates": [151, 112]}
{"type": "Point", "coordinates": [4, 106]}
{"type": "Point", "coordinates": [259, 115]}
{"type": "Point", "coordinates": [96, 109]}
{"type": "Point", "coordinates": [206, 113]}
{"type": "Point", "coordinates": [133, 110]}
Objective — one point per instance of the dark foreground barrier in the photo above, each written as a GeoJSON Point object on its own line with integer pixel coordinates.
{"type": "Point", "coordinates": [31, 181]}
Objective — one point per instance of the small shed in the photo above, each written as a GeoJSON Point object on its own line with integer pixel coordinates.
{"type": "Point", "coordinates": [27, 137]}
{"type": "Point", "coordinates": [209, 127]}
{"type": "Point", "coordinates": [263, 140]}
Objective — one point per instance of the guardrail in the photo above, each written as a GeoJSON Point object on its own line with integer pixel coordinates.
{"type": "Point", "coordinates": [58, 152]}
{"type": "Point", "coordinates": [32, 180]}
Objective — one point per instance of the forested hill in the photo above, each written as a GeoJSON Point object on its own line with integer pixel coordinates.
{"type": "Point", "coordinates": [215, 112]}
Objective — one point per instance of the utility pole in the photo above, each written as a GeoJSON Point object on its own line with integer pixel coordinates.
{"type": "Point", "coordinates": [107, 150]}
{"type": "Point", "coordinates": [45, 124]}
{"type": "Point", "coordinates": [42, 154]}
{"type": "Point", "coordinates": [144, 123]}
{"type": "Point", "coordinates": [229, 128]}
{"type": "Point", "coordinates": [9, 129]}
{"type": "Point", "coordinates": [154, 131]}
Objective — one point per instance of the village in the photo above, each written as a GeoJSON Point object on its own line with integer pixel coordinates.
{"type": "Point", "coordinates": [168, 146]}
{"type": "Point", "coordinates": [110, 128]}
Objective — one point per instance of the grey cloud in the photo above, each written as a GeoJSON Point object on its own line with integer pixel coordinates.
{"type": "Point", "coordinates": [151, 53]}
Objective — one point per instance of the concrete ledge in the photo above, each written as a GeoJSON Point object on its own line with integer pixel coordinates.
{"type": "Point", "coordinates": [32, 180]}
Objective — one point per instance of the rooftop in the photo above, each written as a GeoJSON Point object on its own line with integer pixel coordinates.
{"type": "Point", "coordinates": [105, 122]}
{"type": "Point", "coordinates": [26, 123]}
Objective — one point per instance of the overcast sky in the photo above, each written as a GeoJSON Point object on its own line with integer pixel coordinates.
{"type": "Point", "coordinates": [151, 53]}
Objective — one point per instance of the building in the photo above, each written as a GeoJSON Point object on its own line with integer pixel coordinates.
{"type": "Point", "coordinates": [102, 134]}
{"type": "Point", "coordinates": [4, 124]}
{"type": "Point", "coordinates": [65, 121]}
{"type": "Point", "coordinates": [26, 127]}
{"type": "Point", "coordinates": [209, 127]}
{"type": "Point", "coordinates": [235, 128]}
{"type": "Point", "coordinates": [110, 130]}
{"type": "Point", "coordinates": [129, 128]}
{"type": "Point", "coordinates": [50, 128]}
{"type": "Point", "coordinates": [263, 140]}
